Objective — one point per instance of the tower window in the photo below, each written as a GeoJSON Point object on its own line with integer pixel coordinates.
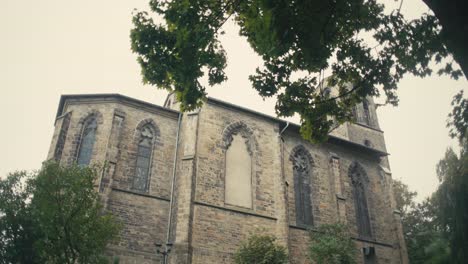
{"type": "Point", "coordinates": [366, 113]}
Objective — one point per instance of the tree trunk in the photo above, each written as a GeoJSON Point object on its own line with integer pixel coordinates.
{"type": "Point", "coordinates": [453, 16]}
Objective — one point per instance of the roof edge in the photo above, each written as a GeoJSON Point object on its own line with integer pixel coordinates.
{"type": "Point", "coordinates": [116, 96]}
{"type": "Point", "coordinates": [331, 138]}
{"type": "Point", "coordinates": [65, 97]}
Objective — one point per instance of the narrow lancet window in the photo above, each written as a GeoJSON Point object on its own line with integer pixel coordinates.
{"type": "Point", "coordinates": [358, 179]}
{"type": "Point", "coordinates": [88, 137]}
{"type": "Point", "coordinates": [301, 168]}
{"type": "Point", "coordinates": [366, 113]}
{"type": "Point", "coordinates": [144, 153]}
{"type": "Point", "coordinates": [238, 173]}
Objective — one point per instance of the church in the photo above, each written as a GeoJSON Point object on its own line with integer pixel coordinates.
{"type": "Point", "coordinates": [202, 182]}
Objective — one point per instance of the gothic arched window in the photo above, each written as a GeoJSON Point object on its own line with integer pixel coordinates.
{"type": "Point", "coordinates": [239, 147]}
{"type": "Point", "coordinates": [302, 189]}
{"type": "Point", "coordinates": [359, 182]}
{"type": "Point", "coordinates": [238, 179]}
{"type": "Point", "coordinates": [88, 136]}
{"type": "Point", "coordinates": [143, 159]}
{"type": "Point", "coordinates": [366, 113]}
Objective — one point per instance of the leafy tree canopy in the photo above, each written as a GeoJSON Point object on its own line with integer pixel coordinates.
{"type": "Point", "coordinates": [294, 38]}
{"type": "Point", "coordinates": [404, 197]}
{"type": "Point", "coordinates": [436, 230]}
{"type": "Point", "coordinates": [261, 249]}
{"type": "Point", "coordinates": [425, 240]}
{"type": "Point", "coordinates": [452, 201]}
{"type": "Point", "coordinates": [17, 233]}
{"type": "Point", "coordinates": [53, 216]}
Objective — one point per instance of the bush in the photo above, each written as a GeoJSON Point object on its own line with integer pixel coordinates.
{"type": "Point", "coordinates": [332, 244]}
{"type": "Point", "coordinates": [261, 249]}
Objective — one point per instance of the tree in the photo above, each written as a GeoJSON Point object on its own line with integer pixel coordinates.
{"type": "Point", "coordinates": [436, 230]}
{"type": "Point", "coordinates": [294, 38]}
{"type": "Point", "coordinates": [452, 200]}
{"type": "Point", "coordinates": [332, 244]}
{"type": "Point", "coordinates": [454, 21]}
{"type": "Point", "coordinates": [425, 239]}
{"type": "Point", "coordinates": [261, 249]}
{"type": "Point", "coordinates": [54, 216]}
{"type": "Point", "coordinates": [17, 233]}
{"type": "Point", "coordinates": [452, 195]}
{"type": "Point", "coordinates": [404, 197]}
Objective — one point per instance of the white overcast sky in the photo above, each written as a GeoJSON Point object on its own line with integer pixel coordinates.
{"type": "Point", "coordinates": [54, 47]}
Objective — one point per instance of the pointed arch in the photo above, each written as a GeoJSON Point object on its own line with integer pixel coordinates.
{"type": "Point", "coordinates": [239, 147]}
{"type": "Point", "coordinates": [239, 128]}
{"type": "Point", "coordinates": [302, 164]}
{"type": "Point", "coordinates": [145, 138]}
{"type": "Point", "coordinates": [359, 181]}
{"type": "Point", "coordinates": [148, 122]}
{"type": "Point", "coordinates": [87, 137]}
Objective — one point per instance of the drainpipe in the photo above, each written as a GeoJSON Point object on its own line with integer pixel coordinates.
{"type": "Point", "coordinates": [283, 179]}
{"type": "Point", "coordinates": [173, 183]}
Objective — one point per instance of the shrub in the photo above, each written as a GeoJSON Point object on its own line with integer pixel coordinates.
{"type": "Point", "coordinates": [261, 249]}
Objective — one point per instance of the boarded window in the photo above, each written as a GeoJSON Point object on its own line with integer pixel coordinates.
{"type": "Point", "coordinates": [238, 173]}
{"type": "Point", "coordinates": [88, 137]}
{"type": "Point", "coordinates": [144, 152]}
{"type": "Point", "coordinates": [301, 168]}
{"type": "Point", "coordinates": [358, 178]}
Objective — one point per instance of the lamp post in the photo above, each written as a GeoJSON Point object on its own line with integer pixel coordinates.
{"type": "Point", "coordinates": [164, 252]}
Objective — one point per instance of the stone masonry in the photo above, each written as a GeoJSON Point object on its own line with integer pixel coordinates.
{"type": "Point", "coordinates": [185, 201]}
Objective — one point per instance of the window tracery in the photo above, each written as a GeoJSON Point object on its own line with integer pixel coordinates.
{"type": "Point", "coordinates": [239, 144]}
{"type": "Point", "coordinates": [359, 182]}
{"type": "Point", "coordinates": [88, 136]}
{"type": "Point", "coordinates": [143, 158]}
{"type": "Point", "coordinates": [301, 161]}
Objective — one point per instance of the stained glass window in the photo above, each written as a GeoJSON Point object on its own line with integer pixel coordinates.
{"type": "Point", "coordinates": [358, 177]}
{"type": "Point", "coordinates": [142, 168]}
{"type": "Point", "coordinates": [88, 137]}
{"type": "Point", "coordinates": [301, 167]}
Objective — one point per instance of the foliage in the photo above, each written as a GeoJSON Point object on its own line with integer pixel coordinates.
{"type": "Point", "coordinates": [426, 242]}
{"type": "Point", "coordinates": [436, 230]}
{"type": "Point", "coordinates": [426, 238]}
{"type": "Point", "coordinates": [294, 38]}
{"type": "Point", "coordinates": [458, 118]}
{"type": "Point", "coordinates": [404, 197]}
{"type": "Point", "coordinates": [452, 201]}
{"type": "Point", "coordinates": [17, 234]}
{"type": "Point", "coordinates": [451, 197]}
{"type": "Point", "coordinates": [261, 249]}
{"type": "Point", "coordinates": [57, 213]}
{"type": "Point", "coordinates": [332, 244]}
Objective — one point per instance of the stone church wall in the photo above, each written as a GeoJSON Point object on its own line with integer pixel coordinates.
{"type": "Point", "coordinates": [218, 227]}
{"type": "Point", "coordinates": [144, 214]}
{"type": "Point", "coordinates": [205, 227]}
